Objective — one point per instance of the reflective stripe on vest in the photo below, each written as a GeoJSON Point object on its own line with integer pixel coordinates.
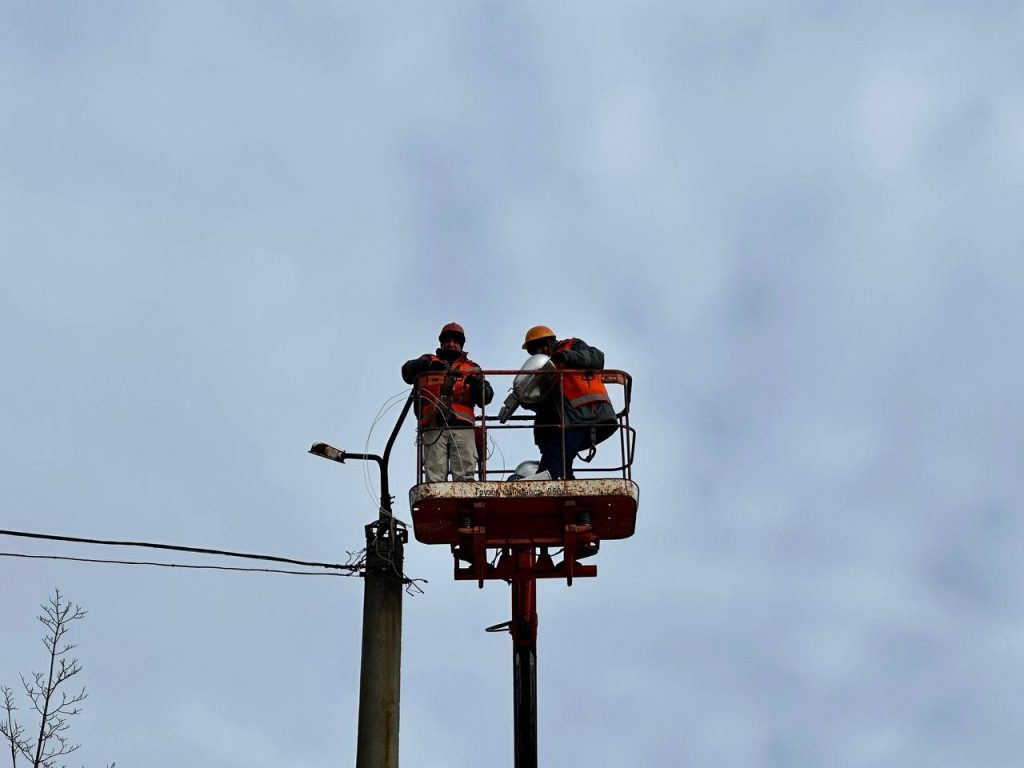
{"type": "Point", "coordinates": [595, 397]}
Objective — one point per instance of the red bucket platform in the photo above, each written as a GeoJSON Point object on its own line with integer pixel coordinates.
{"type": "Point", "coordinates": [574, 515]}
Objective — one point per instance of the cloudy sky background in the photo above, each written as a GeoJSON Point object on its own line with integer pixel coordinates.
{"type": "Point", "coordinates": [224, 226]}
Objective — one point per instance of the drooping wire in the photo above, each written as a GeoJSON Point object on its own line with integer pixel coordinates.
{"type": "Point", "coordinates": [495, 447]}
{"type": "Point", "coordinates": [445, 430]}
{"type": "Point", "coordinates": [412, 587]}
{"type": "Point", "coordinates": [387, 405]}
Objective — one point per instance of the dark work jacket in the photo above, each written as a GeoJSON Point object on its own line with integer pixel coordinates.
{"type": "Point", "coordinates": [600, 415]}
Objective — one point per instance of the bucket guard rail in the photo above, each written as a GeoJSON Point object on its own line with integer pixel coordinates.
{"type": "Point", "coordinates": [488, 523]}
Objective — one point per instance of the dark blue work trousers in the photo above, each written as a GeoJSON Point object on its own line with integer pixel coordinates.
{"type": "Point", "coordinates": [576, 439]}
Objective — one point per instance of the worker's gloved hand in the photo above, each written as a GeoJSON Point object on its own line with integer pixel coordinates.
{"type": "Point", "coordinates": [437, 365]}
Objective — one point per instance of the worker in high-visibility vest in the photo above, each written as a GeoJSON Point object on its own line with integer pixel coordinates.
{"type": "Point", "coordinates": [581, 404]}
{"type": "Point", "coordinates": [449, 385]}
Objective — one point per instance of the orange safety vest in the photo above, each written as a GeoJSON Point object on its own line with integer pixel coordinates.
{"type": "Point", "coordinates": [582, 388]}
{"type": "Point", "coordinates": [447, 392]}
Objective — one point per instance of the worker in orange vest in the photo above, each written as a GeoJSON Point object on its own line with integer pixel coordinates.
{"type": "Point", "coordinates": [449, 385]}
{"type": "Point", "coordinates": [578, 414]}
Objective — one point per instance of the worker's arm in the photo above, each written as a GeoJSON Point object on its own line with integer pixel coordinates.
{"type": "Point", "coordinates": [413, 368]}
{"type": "Point", "coordinates": [581, 356]}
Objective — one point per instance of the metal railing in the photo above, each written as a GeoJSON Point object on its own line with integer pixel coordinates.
{"type": "Point", "coordinates": [491, 431]}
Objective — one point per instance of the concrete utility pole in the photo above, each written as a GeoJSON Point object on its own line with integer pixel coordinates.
{"type": "Point", "coordinates": [380, 673]}
{"type": "Point", "coordinates": [381, 669]}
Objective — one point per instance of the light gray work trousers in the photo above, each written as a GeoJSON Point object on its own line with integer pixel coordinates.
{"type": "Point", "coordinates": [443, 445]}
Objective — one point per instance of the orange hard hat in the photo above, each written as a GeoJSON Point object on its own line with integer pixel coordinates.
{"type": "Point", "coordinates": [536, 333]}
{"type": "Point", "coordinates": [452, 329]}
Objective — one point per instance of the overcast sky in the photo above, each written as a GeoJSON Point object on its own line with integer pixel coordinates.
{"type": "Point", "coordinates": [224, 226]}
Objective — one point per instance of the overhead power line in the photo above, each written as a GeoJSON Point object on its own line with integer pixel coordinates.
{"type": "Point", "coordinates": [176, 548]}
{"type": "Point", "coordinates": [174, 565]}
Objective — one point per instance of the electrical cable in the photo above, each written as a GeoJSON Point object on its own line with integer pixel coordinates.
{"type": "Point", "coordinates": [172, 565]}
{"type": "Point", "coordinates": [175, 548]}
{"type": "Point", "coordinates": [496, 447]}
{"type": "Point", "coordinates": [387, 405]}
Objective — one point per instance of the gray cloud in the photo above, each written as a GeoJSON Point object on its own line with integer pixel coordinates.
{"type": "Point", "coordinates": [224, 228]}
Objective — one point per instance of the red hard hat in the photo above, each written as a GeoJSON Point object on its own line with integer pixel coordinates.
{"type": "Point", "coordinates": [452, 329]}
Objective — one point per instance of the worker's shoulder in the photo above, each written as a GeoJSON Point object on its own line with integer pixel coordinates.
{"type": "Point", "coordinates": [575, 343]}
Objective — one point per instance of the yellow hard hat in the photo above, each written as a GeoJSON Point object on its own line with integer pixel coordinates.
{"type": "Point", "coordinates": [536, 333]}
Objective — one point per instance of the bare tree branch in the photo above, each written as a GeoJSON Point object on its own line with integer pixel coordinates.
{"type": "Point", "coordinates": [54, 711]}
{"type": "Point", "coordinates": [12, 731]}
